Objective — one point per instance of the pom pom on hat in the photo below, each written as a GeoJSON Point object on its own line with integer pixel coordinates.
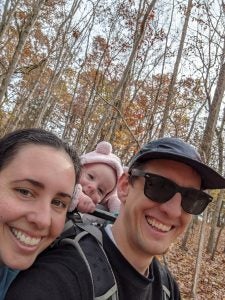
{"type": "Point", "coordinates": [103, 154]}
{"type": "Point", "coordinates": [104, 148]}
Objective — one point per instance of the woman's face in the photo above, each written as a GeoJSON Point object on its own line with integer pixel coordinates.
{"type": "Point", "coordinates": [36, 188]}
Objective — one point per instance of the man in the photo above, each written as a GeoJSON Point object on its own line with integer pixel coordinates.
{"type": "Point", "coordinates": [161, 190]}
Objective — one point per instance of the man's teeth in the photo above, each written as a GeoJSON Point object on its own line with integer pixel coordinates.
{"type": "Point", "coordinates": [158, 225]}
{"type": "Point", "coordinates": [24, 238]}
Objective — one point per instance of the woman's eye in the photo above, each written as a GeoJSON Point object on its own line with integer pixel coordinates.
{"type": "Point", "coordinates": [24, 192]}
{"type": "Point", "coordinates": [59, 203]}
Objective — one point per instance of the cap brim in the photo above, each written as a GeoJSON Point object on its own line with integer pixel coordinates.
{"type": "Point", "coordinates": [210, 178]}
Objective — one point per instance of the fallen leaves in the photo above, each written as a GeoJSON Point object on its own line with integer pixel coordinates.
{"type": "Point", "coordinates": [212, 275]}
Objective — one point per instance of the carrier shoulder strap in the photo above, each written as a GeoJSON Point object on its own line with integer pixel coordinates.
{"type": "Point", "coordinates": [87, 241]}
{"type": "Point", "coordinates": [165, 281]}
{"type": "Point", "coordinates": [166, 292]}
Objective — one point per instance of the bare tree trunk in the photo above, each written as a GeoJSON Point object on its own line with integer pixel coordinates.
{"type": "Point", "coordinates": [216, 212]}
{"type": "Point", "coordinates": [212, 236]}
{"type": "Point", "coordinates": [217, 241]}
{"type": "Point", "coordinates": [205, 150]}
{"type": "Point", "coordinates": [21, 109]}
{"type": "Point", "coordinates": [90, 107]}
{"type": "Point", "coordinates": [164, 59]}
{"type": "Point", "coordinates": [48, 100]}
{"type": "Point", "coordinates": [70, 115]}
{"type": "Point", "coordinates": [23, 35]}
{"type": "Point", "coordinates": [6, 17]}
{"type": "Point", "coordinates": [199, 256]}
{"type": "Point", "coordinates": [93, 139]}
{"type": "Point", "coordinates": [214, 109]}
{"type": "Point", "coordinates": [175, 71]}
{"type": "Point", "coordinates": [186, 236]}
{"type": "Point", "coordinates": [194, 119]}
{"type": "Point", "coordinates": [138, 37]}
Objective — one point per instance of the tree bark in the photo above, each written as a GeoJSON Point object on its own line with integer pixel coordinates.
{"type": "Point", "coordinates": [199, 256]}
{"type": "Point", "coordinates": [175, 71]}
{"type": "Point", "coordinates": [23, 35]}
{"type": "Point", "coordinates": [214, 110]}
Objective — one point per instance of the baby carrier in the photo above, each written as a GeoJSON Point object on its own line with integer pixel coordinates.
{"type": "Point", "coordinates": [83, 237]}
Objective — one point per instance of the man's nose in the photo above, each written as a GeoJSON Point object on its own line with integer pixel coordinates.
{"type": "Point", "coordinates": [173, 207]}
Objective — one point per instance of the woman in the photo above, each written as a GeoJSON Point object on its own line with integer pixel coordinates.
{"type": "Point", "coordinates": [38, 173]}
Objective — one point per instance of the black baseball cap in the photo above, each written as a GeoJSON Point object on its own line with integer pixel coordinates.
{"type": "Point", "coordinates": [178, 150]}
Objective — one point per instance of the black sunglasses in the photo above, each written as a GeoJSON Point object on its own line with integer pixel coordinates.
{"type": "Point", "coordinates": [160, 189]}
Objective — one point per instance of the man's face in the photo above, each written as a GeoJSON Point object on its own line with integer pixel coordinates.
{"type": "Point", "coordinates": [151, 227]}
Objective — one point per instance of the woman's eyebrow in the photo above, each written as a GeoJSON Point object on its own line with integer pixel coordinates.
{"type": "Point", "coordinates": [41, 185]}
{"type": "Point", "coordinates": [32, 181]}
{"type": "Point", "coordinates": [65, 195]}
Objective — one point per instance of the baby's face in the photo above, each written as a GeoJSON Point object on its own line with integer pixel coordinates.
{"type": "Point", "coordinates": [97, 180]}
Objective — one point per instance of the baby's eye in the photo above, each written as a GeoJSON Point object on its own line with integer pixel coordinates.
{"type": "Point", "coordinates": [90, 176]}
{"type": "Point", "coordinates": [24, 192]}
{"type": "Point", "coordinates": [59, 203]}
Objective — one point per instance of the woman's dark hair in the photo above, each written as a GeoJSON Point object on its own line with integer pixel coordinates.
{"type": "Point", "coordinates": [11, 143]}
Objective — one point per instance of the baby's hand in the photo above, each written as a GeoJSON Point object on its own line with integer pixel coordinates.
{"type": "Point", "coordinates": [85, 204]}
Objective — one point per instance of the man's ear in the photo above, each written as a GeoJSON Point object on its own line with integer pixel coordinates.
{"type": "Point", "coordinates": [123, 187]}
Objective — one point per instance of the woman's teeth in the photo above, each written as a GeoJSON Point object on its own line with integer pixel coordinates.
{"type": "Point", "coordinates": [24, 238]}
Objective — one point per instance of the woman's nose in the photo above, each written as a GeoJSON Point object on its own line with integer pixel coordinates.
{"type": "Point", "coordinates": [41, 215]}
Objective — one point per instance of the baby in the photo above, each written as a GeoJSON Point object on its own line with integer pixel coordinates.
{"type": "Point", "coordinates": [100, 172]}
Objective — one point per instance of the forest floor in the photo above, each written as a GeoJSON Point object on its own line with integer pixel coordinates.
{"type": "Point", "coordinates": [211, 284]}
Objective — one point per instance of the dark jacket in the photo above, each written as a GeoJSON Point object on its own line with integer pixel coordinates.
{"type": "Point", "coordinates": [59, 273]}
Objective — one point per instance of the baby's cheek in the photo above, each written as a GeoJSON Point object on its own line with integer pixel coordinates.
{"type": "Point", "coordinates": [83, 180]}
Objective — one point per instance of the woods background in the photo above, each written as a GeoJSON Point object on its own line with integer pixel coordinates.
{"type": "Point", "coordinates": [127, 72]}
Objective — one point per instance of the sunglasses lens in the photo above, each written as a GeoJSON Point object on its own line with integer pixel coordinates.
{"type": "Point", "coordinates": [194, 202]}
{"type": "Point", "coordinates": [158, 189]}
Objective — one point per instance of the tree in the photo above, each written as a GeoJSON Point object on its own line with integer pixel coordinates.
{"type": "Point", "coordinates": [175, 70]}
{"type": "Point", "coordinates": [23, 33]}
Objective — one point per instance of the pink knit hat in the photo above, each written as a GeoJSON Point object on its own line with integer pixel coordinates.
{"type": "Point", "coordinates": [103, 154]}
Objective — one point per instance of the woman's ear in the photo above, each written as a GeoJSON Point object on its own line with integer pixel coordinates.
{"type": "Point", "coordinates": [123, 187]}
